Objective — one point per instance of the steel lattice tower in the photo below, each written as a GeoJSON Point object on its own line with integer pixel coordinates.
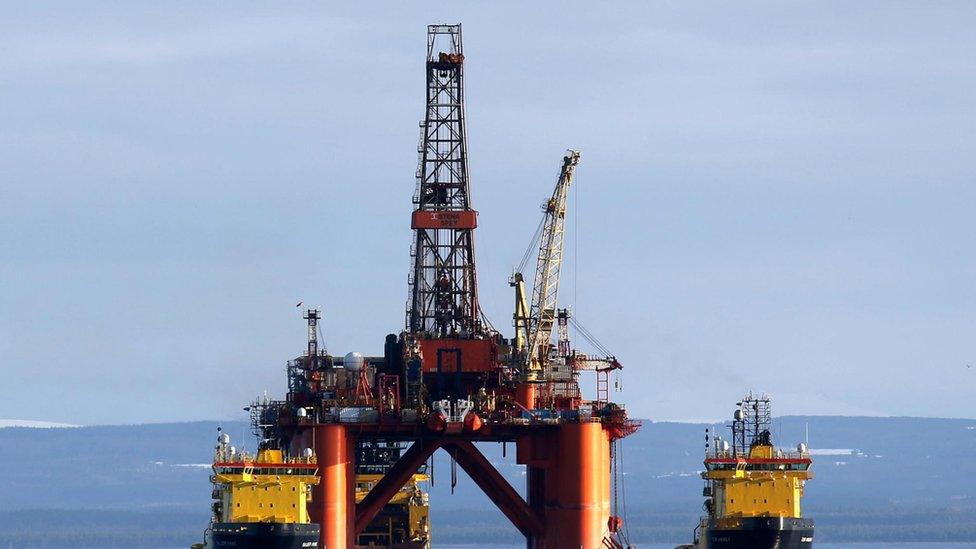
{"type": "Point", "coordinates": [444, 296]}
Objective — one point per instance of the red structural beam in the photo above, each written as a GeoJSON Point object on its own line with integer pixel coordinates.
{"type": "Point", "coordinates": [392, 481]}
{"type": "Point", "coordinates": [494, 485]}
{"type": "Point", "coordinates": [460, 219]}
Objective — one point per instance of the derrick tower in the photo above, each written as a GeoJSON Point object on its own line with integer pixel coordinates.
{"type": "Point", "coordinates": [443, 285]}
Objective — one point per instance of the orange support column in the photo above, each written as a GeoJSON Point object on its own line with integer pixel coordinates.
{"type": "Point", "coordinates": [535, 492]}
{"type": "Point", "coordinates": [578, 490]}
{"type": "Point", "coordinates": [334, 497]}
{"type": "Point", "coordinates": [525, 394]}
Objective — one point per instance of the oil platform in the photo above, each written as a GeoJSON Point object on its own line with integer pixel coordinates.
{"type": "Point", "coordinates": [449, 379]}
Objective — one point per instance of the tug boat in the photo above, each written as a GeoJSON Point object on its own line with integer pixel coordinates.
{"type": "Point", "coordinates": [752, 489]}
{"type": "Point", "coordinates": [261, 501]}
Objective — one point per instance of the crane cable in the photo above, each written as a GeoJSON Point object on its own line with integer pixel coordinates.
{"type": "Point", "coordinates": [533, 244]}
{"type": "Point", "coordinates": [619, 491]}
{"type": "Point", "coordinates": [601, 348]}
{"type": "Point", "coordinates": [623, 492]}
{"type": "Point", "coordinates": [589, 337]}
{"type": "Point", "coordinates": [535, 237]}
{"type": "Point", "coordinates": [616, 471]}
{"type": "Point", "coordinates": [485, 321]}
{"type": "Point", "coordinates": [318, 328]}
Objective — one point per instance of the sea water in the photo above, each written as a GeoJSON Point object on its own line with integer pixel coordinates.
{"type": "Point", "coordinates": [874, 545]}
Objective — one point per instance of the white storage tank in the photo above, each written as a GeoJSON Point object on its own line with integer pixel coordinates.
{"type": "Point", "coordinates": [353, 362]}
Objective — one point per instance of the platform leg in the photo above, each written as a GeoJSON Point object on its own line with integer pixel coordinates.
{"type": "Point", "coordinates": [535, 491]}
{"type": "Point", "coordinates": [334, 498]}
{"type": "Point", "coordinates": [577, 496]}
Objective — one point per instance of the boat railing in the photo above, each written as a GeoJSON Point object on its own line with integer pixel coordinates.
{"type": "Point", "coordinates": [250, 460]}
{"type": "Point", "coordinates": [780, 454]}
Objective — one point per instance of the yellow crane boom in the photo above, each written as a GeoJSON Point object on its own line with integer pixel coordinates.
{"type": "Point", "coordinates": [534, 319]}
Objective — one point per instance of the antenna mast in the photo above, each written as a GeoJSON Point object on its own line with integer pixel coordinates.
{"type": "Point", "coordinates": [312, 316]}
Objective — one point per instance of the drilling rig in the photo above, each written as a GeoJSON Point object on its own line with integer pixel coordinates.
{"type": "Point", "coordinates": [448, 379]}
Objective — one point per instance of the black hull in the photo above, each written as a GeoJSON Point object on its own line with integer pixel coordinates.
{"type": "Point", "coordinates": [264, 535]}
{"type": "Point", "coordinates": [758, 533]}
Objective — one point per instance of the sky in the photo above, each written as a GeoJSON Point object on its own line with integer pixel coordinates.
{"type": "Point", "coordinates": [773, 196]}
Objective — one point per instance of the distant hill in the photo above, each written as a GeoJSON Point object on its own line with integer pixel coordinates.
{"type": "Point", "coordinates": [884, 479]}
{"type": "Point", "coordinates": [33, 423]}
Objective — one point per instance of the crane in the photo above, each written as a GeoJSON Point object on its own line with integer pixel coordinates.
{"type": "Point", "coordinates": [534, 319]}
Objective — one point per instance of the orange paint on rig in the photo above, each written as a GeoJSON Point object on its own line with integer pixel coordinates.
{"type": "Point", "coordinates": [451, 356]}
{"type": "Point", "coordinates": [578, 502]}
{"type": "Point", "coordinates": [525, 394]}
{"type": "Point", "coordinates": [472, 422]}
{"type": "Point", "coordinates": [334, 498]}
